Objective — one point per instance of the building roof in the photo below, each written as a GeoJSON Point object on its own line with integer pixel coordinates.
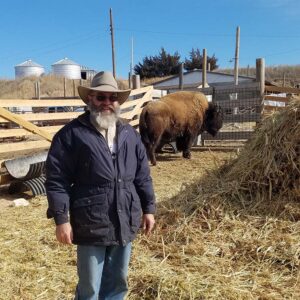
{"type": "Point", "coordinates": [85, 68]}
{"type": "Point", "coordinates": [29, 63]}
{"type": "Point", "coordinates": [194, 78]}
{"type": "Point", "coordinates": [65, 61]}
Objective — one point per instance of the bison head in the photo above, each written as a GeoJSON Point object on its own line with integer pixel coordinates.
{"type": "Point", "coordinates": [213, 119]}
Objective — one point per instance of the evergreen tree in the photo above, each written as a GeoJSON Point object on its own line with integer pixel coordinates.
{"type": "Point", "coordinates": [161, 65]}
{"type": "Point", "coordinates": [195, 61]}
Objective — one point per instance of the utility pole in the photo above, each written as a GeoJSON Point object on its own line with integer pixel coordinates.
{"type": "Point", "coordinates": [112, 43]}
{"type": "Point", "coordinates": [131, 63]}
{"type": "Point", "coordinates": [236, 58]}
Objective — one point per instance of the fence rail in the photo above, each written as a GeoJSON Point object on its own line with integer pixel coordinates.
{"type": "Point", "coordinates": [21, 132]}
{"type": "Point", "coordinates": [276, 98]}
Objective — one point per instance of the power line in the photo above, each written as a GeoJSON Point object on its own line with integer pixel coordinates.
{"type": "Point", "coordinates": [207, 34]}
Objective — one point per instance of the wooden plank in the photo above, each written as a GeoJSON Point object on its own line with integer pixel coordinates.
{"type": "Point", "coordinates": [272, 108]}
{"type": "Point", "coordinates": [130, 103]}
{"type": "Point", "coordinates": [22, 146]}
{"type": "Point", "coordinates": [27, 125]}
{"type": "Point", "coordinates": [40, 103]}
{"type": "Point", "coordinates": [141, 90]}
{"type": "Point", "coordinates": [47, 116]}
{"type": "Point", "coordinates": [5, 133]}
{"type": "Point", "coordinates": [129, 114]}
{"type": "Point", "coordinates": [230, 135]}
{"type": "Point", "coordinates": [282, 89]}
{"type": "Point", "coordinates": [134, 122]}
{"type": "Point", "coordinates": [277, 98]}
{"type": "Point", "coordinates": [138, 107]}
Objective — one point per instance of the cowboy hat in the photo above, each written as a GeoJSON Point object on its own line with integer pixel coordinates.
{"type": "Point", "coordinates": [103, 82]}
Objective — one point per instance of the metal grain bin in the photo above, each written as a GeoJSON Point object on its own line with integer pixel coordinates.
{"type": "Point", "coordinates": [28, 68]}
{"type": "Point", "coordinates": [66, 68]}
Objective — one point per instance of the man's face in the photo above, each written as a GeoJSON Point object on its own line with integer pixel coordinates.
{"type": "Point", "coordinates": [104, 102]}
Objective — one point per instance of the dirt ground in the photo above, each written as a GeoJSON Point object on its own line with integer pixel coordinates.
{"type": "Point", "coordinates": [224, 252]}
{"type": "Point", "coordinates": [170, 174]}
{"type": "Point", "coordinates": [5, 199]}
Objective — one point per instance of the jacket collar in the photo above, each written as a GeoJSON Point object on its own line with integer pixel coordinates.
{"type": "Point", "coordinates": [122, 132]}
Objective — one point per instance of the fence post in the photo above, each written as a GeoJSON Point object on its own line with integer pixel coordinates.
{"type": "Point", "coordinates": [129, 80]}
{"type": "Point", "coordinates": [35, 90]}
{"type": "Point", "coordinates": [74, 88]}
{"type": "Point", "coordinates": [136, 83]}
{"type": "Point", "coordinates": [181, 76]}
{"type": "Point", "coordinates": [65, 87]}
{"type": "Point", "coordinates": [204, 62]}
{"type": "Point", "coordinates": [208, 66]}
{"type": "Point", "coordinates": [260, 74]}
{"type": "Point", "coordinates": [38, 88]}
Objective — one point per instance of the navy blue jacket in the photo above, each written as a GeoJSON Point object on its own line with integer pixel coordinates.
{"type": "Point", "coordinates": [103, 195]}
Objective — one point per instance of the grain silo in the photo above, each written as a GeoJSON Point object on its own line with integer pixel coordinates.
{"type": "Point", "coordinates": [66, 68]}
{"type": "Point", "coordinates": [28, 68]}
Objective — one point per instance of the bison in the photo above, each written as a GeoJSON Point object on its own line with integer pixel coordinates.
{"type": "Point", "coordinates": [179, 117]}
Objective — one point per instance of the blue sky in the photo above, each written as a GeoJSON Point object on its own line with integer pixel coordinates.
{"type": "Point", "coordinates": [47, 31]}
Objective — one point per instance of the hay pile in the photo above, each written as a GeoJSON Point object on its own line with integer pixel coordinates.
{"type": "Point", "coordinates": [269, 165]}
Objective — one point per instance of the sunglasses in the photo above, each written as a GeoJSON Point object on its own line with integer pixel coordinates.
{"type": "Point", "coordinates": [111, 98]}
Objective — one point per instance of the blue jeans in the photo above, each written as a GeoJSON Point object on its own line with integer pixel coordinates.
{"type": "Point", "coordinates": [102, 272]}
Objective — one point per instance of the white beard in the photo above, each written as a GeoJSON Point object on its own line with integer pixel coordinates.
{"type": "Point", "coordinates": [100, 120]}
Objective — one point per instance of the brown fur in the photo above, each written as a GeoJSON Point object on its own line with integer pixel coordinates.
{"type": "Point", "coordinates": [180, 116]}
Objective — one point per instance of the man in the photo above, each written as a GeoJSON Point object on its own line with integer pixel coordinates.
{"type": "Point", "coordinates": [98, 176]}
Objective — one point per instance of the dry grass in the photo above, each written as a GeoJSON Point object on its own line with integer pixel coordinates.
{"type": "Point", "coordinates": [282, 74]}
{"type": "Point", "coordinates": [224, 231]}
{"type": "Point", "coordinates": [50, 86]}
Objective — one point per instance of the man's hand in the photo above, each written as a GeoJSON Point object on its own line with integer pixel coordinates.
{"type": "Point", "coordinates": [64, 233]}
{"type": "Point", "coordinates": [148, 223]}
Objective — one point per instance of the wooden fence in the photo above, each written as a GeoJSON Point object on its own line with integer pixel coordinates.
{"type": "Point", "coordinates": [243, 108]}
{"type": "Point", "coordinates": [33, 130]}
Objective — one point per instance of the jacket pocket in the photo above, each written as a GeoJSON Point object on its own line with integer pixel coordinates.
{"type": "Point", "coordinates": [84, 165]}
{"type": "Point", "coordinates": [135, 212]}
{"type": "Point", "coordinates": [89, 216]}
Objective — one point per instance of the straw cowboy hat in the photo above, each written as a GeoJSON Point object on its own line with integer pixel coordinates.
{"type": "Point", "coordinates": [103, 82]}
